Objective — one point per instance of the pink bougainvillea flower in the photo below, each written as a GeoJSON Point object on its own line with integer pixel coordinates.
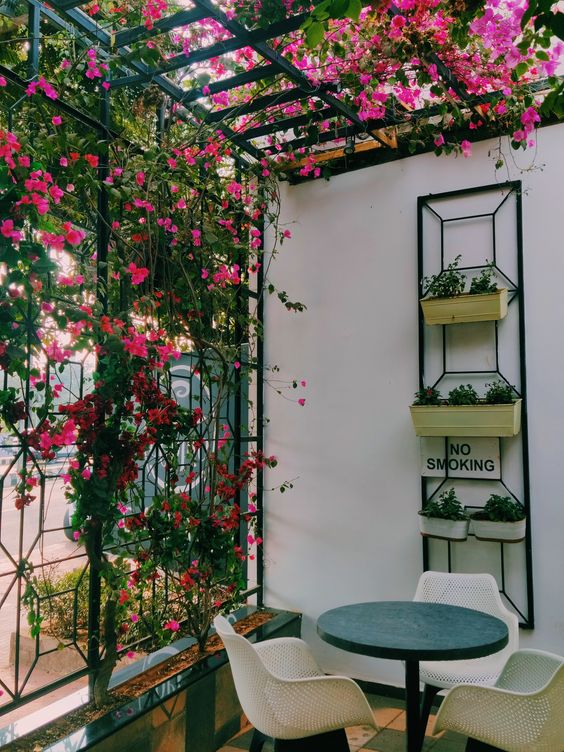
{"type": "Point", "coordinates": [73, 236]}
{"type": "Point", "coordinates": [301, 401]}
{"type": "Point", "coordinates": [56, 120]}
{"type": "Point", "coordinates": [138, 273]}
{"type": "Point", "coordinates": [236, 365]}
{"type": "Point", "coordinates": [466, 147]}
{"type": "Point", "coordinates": [86, 473]}
{"type": "Point", "coordinates": [173, 625]}
{"type": "Point", "coordinates": [3, 81]}
{"type": "Point", "coordinates": [56, 353]}
{"type": "Point", "coordinates": [8, 231]}
{"type": "Point", "coordinates": [136, 346]}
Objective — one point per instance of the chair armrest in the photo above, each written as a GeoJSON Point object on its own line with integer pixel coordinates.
{"type": "Point", "coordinates": [528, 670]}
{"type": "Point", "coordinates": [288, 658]}
{"type": "Point", "coordinates": [319, 704]}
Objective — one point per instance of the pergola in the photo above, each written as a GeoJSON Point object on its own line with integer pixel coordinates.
{"type": "Point", "coordinates": [260, 125]}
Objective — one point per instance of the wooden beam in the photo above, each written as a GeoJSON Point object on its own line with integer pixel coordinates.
{"type": "Point", "coordinates": [326, 156]}
{"type": "Point", "coordinates": [389, 138]}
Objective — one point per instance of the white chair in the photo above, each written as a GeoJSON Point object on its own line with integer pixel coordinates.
{"type": "Point", "coordinates": [286, 696]}
{"type": "Point", "coordinates": [478, 592]}
{"type": "Point", "coordinates": [523, 712]}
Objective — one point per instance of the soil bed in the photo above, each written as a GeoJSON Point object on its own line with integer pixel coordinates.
{"type": "Point", "coordinates": [129, 690]}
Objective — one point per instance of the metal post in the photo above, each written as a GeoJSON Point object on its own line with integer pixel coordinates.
{"type": "Point", "coordinates": [102, 240]}
{"type": "Point", "coordinates": [260, 409]}
{"type": "Point", "coordinates": [34, 33]}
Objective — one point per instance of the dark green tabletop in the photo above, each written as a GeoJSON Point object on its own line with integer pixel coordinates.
{"type": "Point", "coordinates": [410, 630]}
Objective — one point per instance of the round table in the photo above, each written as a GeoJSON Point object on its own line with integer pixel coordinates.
{"type": "Point", "coordinates": [412, 631]}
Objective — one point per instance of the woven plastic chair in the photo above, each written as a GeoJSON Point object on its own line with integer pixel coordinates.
{"type": "Point", "coordinates": [478, 592]}
{"type": "Point", "coordinates": [286, 696]}
{"type": "Point", "coordinates": [524, 712]}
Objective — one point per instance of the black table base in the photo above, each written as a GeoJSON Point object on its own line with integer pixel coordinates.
{"type": "Point", "coordinates": [332, 741]}
{"type": "Point", "coordinates": [415, 733]}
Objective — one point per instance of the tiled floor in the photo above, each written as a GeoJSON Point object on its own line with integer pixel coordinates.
{"type": "Point", "coordinates": [390, 736]}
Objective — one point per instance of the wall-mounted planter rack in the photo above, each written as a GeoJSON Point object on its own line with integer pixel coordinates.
{"type": "Point", "coordinates": [482, 226]}
{"type": "Point", "coordinates": [467, 420]}
{"type": "Point", "coordinates": [464, 309]}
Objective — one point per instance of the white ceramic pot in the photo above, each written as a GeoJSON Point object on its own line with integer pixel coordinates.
{"type": "Point", "coordinates": [509, 532]}
{"type": "Point", "coordinates": [433, 527]}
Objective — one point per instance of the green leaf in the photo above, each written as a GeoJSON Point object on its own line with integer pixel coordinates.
{"type": "Point", "coordinates": [338, 8]}
{"type": "Point", "coordinates": [44, 265]}
{"type": "Point", "coordinates": [314, 34]}
{"type": "Point", "coordinates": [556, 24]}
{"type": "Point", "coordinates": [520, 70]}
{"type": "Point", "coordinates": [353, 9]}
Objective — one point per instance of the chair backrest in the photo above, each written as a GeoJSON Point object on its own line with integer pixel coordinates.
{"type": "Point", "coordinates": [249, 674]}
{"type": "Point", "coordinates": [475, 591]}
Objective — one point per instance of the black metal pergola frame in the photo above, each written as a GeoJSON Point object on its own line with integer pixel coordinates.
{"type": "Point", "coordinates": [325, 102]}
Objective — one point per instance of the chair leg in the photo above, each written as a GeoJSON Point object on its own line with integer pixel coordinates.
{"type": "Point", "coordinates": [429, 694]}
{"type": "Point", "coordinates": [257, 742]}
{"type": "Point", "coordinates": [473, 745]}
{"type": "Point", "coordinates": [332, 741]}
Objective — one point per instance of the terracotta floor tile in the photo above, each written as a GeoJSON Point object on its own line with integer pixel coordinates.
{"type": "Point", "coordinates": [386, 715]}
{"type": "Point", "coordinates": [398, 723]}
{"type": "Point", "coordinates": [357, 736]}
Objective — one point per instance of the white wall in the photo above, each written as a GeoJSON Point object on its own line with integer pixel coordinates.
{"type": "Point", "coordinates": [348, 531]}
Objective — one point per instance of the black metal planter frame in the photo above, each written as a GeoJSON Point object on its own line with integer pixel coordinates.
{"type": "Point", "coordinates": [511, 192]}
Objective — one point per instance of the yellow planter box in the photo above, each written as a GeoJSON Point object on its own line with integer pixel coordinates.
{"type": "Point", "coordinates": [464, 309]}
{"type": "Point", "coordinates": [467, 420]}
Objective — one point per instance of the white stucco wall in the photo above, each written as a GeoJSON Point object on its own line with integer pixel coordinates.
{"type": "Point", "coordinates": [348, 530]}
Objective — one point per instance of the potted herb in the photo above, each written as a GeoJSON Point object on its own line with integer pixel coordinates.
{"type": "Point", "coordinates": [444, 518]}
{"type": "Point", "coordinates": [446, 303]}
{"type": "Point", "coordinates": [464, 413]}
{"type": "Point", "coordinates": [501, 519]}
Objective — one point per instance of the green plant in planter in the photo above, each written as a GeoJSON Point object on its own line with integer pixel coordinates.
{"type": "Point", "coordinates": [428, 395]}
{"type": "Point", "coordinates": [446, 507]}
{"type": "Point", "coordinates": [501, 509]}
{"type": "Point", "coordinates": [484, 282]}
{"type": "Point", "coordinates": [463, 395]}
{"type": "Point", "coordinates": [448, 283]}
{"type": "Point", "coordinates": [500, 393]}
